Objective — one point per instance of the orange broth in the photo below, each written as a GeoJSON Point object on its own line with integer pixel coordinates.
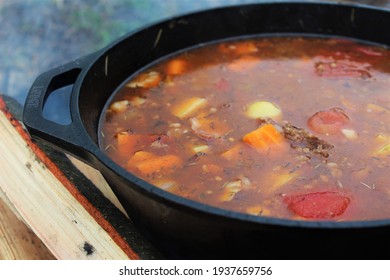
{"type": "Point", "coordinates": [288, 127]}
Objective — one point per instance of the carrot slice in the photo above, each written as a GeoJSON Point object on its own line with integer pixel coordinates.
{"type": "Point", "coordinates": [127, 143]}
{"type": "Point", "coordinates": [149, 164]}
{"type": "Point", "coordinates": [318, 205]}
{"type": "Point", "coordinates": [264, 137]}
{"type": "Point", "coordinates": [176, 67]}
{"type": "Point", "coordinates": [139, 157]}
{"type": "Point", "coordinates": [165, 163]}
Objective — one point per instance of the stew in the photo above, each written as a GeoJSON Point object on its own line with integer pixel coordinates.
{"type": "Point", "coordinates": [289, 127]}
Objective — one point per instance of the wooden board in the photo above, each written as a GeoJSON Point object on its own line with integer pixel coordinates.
{"type": "Point", "coordinates": [17, 241]}
{"type": "Point", "coordinates": [49, 204]}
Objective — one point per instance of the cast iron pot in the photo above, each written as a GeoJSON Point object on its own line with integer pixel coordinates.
{"type": "Point", "coordinates": [181, 228]}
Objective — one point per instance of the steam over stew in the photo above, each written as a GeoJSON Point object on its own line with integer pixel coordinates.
{"type": "Point", "coordinates": [289, 127]}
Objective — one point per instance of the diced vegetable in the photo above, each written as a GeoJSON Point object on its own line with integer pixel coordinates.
{"type": "Point", "coordinates": [264, 137]}
{"type": "Point", "coordinates": [318, 205]}
{"type": "Point", "coordinates": [328, 122]}
{"type": "Point", "coordinates": [188, 107]}
{"type": "Point", "coordinates": [120, 106]}
{"type": "Point", "coordinates": [146, 80]}
{"type": "Point", "coordinates": [123, 105]}
{"type": "Point", "coordinates": [280, 180]}
{"type": "Point", "coordinates": [263, 109]}
{"type": "Point", "coordinates": [230, 189]}
{"type": "Point", "coordinates": [137, 101]}
{"type": "Point", "coordinates": [176, 67]}
{"type": "Point", "coordinates": [139, 157]}
{"type": "Point", "coordinates": [375, 108]}
{"type": "Point", "coordinates": [382, 138]}
{"type": "Point", "coordinates": [200, 148]}
{"type": "Point", "coordinates": [166, 163]}
{"type": "Point", "coordinates": [149, 164]}
{"type": "Point", "coordinates": [258, 210]}
{"type": "Point", "coordinates": [383, 150]}
{"type": "Point", "coordinates": [349, 133]}
{"type": "Point", "coordinates": [165, 184]}
{"type": "Point", "coordinates": [127, 143]}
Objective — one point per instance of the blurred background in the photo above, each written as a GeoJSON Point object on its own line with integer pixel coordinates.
{"type": "Point", "coordinates": [38, 35]}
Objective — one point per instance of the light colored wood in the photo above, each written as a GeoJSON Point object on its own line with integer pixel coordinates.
{"type": "Point", "coordinates": [98, 180]}
{"type": "Point", "coordinates": [49, 209]}
{"type": "Point", "coordinates": [17, 241]}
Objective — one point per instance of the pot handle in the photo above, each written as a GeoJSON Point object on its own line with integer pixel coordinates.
{"type": "Point", "coordinates": [71, 138]}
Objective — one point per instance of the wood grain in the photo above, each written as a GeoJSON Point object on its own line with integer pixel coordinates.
{"type": "Point", "coordinates": [17, 241]}
{"type": "Point", "coordinates": [48, 203]}
{"type": "Point", "coordinates": [98, 180]}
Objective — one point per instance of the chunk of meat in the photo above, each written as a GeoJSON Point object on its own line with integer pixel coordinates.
{"type": "Point", "coordinates": [318, 205]}
{"type": "Point", "coordinates": [302, 140]}
{"type": "Point", "coordinates": [328, 122]}
{"type": "Point", "coordinates": [208, 128]}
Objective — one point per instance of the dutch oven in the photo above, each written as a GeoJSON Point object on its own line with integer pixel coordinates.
{"type": "Point", "coordinates": [181, 228]}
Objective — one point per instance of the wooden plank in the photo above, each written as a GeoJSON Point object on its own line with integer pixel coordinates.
{"type": "Point", "coordinates": [49, 204]}
{"type": "Point", "coordinates": [17, 241]}
{"type": "Point", "coordinates": [98, 180]}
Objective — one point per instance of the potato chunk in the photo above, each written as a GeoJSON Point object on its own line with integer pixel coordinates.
{"type": "Point", "coordinates": [188, 107]}
{"type": "Point", "coordinates": [263, 109]}
{"type": "Point", "coordinates": [146, 80]}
